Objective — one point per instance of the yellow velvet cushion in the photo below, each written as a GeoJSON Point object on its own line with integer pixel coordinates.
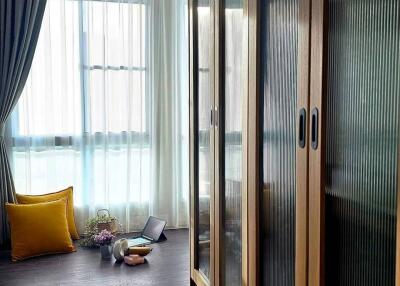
{"type": "Point", "coordinates": [67, 194]}
{"type": "Point", "coordinates": [39, 229]}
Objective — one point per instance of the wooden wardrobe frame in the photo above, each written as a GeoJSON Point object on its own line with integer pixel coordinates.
{"type": "Point", "coordinates": [216, 207]}
{"type": "Point", "coordinates": [254, 176]}
{"type": "Point", "coordinates": [316, 271]}
{"type": "Point", "coordinates": [310, 196]}
{"type": "Point", "coordinates": [196, 276]}
{"type": "Point", "coordinates": [252, 141]}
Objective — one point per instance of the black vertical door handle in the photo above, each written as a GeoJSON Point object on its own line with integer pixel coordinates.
{"type": "Point", "coordinates": [302, 128]}
{"type": "Point", "coordinates": [314, 128]}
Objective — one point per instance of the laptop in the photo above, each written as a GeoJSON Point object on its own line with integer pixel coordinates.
{"type": "Point", "coordinates": [153, 232]}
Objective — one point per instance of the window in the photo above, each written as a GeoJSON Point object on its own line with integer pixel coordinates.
{"type": "Point", "coordinates": [105, 109]}
{"type": "Point", "coordinates": [97, 63]}
{"type": "Point", "coordinates": [117, 44]}
{"type": "Point", "coordinates": [85, 104]}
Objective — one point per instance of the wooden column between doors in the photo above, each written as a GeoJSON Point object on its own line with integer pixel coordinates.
{"type": "Point", "coordinates": [192, 136]}
{"type": "Point", "coordinates": [254, 133]}
{"type": "Point", "coordinates": [213, 145]}
{"type": "Point", "coordinates": [303, 87]}
{"type": "Point", "coordinates": [196, 276]}
{"type": "Point", "coordinates": [218, 89]}
{"type": "Point", "coordinates": [316, 249]}
{"type": "Point", "coordinates": [245, 116]}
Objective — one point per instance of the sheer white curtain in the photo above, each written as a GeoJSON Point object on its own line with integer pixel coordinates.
{"type": "Point", "coordinates": [105, 109]}
{"type": "Point", "coordinates": [169, 70]}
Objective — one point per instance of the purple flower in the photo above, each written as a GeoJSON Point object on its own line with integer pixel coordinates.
{"type": "Point", "coordinates": [103, 238]}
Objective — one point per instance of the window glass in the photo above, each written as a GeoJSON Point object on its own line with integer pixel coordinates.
{"type": "Point", "coordinates": [91, 69]}
{"type": "Point", "coordinates": [53, 86]}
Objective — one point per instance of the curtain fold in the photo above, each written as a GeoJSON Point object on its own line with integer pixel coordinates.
{"type": "Point", "coordinates": [105, 109]}
{"type": "Point", "coordinates": [168, 73]}
{"type": "Point", "coordinates": [20, 22]}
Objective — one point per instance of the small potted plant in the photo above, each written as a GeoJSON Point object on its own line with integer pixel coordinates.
{"type": "Point", "coordinates": [104, 239]}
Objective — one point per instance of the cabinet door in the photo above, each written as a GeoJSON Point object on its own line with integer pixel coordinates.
{"type": "Point", "coordinates": [202, 105]}
{"type": "Point", "coordinates": [355, 167]}
{"type": "Point", "coordinates": [361, 147]}
{"type": "Point", "coordinates": [232, 107]}
{"type": "Point", "coordinates": [284, 76]}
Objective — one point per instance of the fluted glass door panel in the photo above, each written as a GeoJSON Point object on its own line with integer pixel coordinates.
{"type": "Point", "coordinates": [362, 137]}
{"type": "Point", "coordinates": [204, 154]}
{"type": "Point", "coordinates": [232, 152]}
{"type": "Point", "coordinates": [278, 46]}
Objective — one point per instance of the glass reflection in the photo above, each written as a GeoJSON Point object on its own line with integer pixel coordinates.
{"type": "Point", "coordinates": [233, 142]}
{"type": "Point", "coordinates": [204, 160]}
{"type": "Point", "coordinates": [278, 47]}
{"type": "Point", "coordinates": [362, 139]}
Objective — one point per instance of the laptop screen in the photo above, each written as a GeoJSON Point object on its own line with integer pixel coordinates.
{"type": "Point", "coordinates": [154, 228]}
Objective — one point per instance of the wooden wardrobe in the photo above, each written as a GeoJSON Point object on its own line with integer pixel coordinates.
{"type": "Point", "coordinates": [294, 117]}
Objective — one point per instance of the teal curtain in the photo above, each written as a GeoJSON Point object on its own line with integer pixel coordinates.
{"type": "Point", "coordinates": [20, 22]}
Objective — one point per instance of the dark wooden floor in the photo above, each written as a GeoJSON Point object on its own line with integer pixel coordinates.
{"type": "Point", "coordinates": [167, 265]}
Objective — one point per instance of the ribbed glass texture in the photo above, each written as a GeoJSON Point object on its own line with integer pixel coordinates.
{"type": "Point", "coordinates": [362, 136]}
{"type": "Point", "coordinates": [279, 35]}
{"type": "Point", "coordinates": [204, 155]}
{"type": "Point", "coordinates": [233, 108]}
